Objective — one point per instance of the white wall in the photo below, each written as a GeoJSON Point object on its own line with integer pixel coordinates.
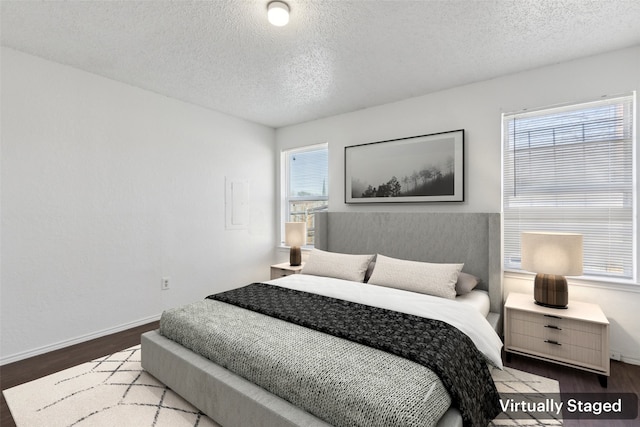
{"type": "Point", "coordinates": [105, 189]}
{"type": "Point", "coordinates": [477, 108]}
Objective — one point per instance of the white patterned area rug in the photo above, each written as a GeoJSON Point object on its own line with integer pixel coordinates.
{"type": "Point", "coordinates": [115, 391]}
{"type": "Point", "coordinates": [109, 391]}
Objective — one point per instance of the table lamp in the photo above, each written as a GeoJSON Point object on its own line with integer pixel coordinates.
{"type": "Point", "coordinates": [295, 236]}
{"type": "Point", "coordinates": [551, 256]}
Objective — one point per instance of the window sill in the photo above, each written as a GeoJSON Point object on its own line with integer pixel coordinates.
{"type": "Point", "coordinates": [609, 284]}
{"type": "Point", "coordinates": [284, 248]}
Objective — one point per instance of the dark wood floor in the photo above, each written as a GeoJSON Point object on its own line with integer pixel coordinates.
{"type": "Point", "coordinates": [624, 377]}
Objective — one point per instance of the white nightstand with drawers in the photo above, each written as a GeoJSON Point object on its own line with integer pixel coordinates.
{"type": "Point", "coordinates": [577, 336]}
{"type": "Point", "coordinates": [285, 269]}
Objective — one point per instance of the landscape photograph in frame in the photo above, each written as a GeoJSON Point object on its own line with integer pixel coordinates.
{"type": "Point", "coordinates": [426, 168]}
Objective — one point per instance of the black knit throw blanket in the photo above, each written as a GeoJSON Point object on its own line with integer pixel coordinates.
{"type": "Point", "coordinates": [432, 343]}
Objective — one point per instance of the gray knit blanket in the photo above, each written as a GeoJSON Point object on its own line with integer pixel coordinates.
{"type": "Point", "coordinates": [339, 381]}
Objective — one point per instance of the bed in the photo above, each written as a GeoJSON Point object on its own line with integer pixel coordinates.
{"type": "Point", "coordinates": [232, 400]}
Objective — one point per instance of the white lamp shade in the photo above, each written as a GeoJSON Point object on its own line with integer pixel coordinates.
{"type": "Point", "coordinates": [552, 253]}
{"type": "Point", "coordinates": [278, 13]}
{"type": "Point", "coordinates": [295, 233]}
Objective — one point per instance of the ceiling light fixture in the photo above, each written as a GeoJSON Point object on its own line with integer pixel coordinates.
{"type": "Point", "coordinates": [278, 13]}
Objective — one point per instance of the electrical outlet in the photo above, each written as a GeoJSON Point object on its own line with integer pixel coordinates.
{"type": "Point", "coordinates": [165, 283]}
{"type": "Point", "coordinates": [615, 355]}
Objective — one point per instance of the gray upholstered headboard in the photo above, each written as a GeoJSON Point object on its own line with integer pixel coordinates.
{"type": "Point", "coordinates": [472, 238]}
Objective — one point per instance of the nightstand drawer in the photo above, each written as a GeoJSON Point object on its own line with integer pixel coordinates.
{"type": "Point", "coordinates": [556, 349]}
{"type": "Point", "coordinates": [563, 332]}
{"type": "Point", "coordinates": [557, 321]}
{"type": "Point", "coordinates": [280, 272]}
{"type": "Point", "coordinates": [285, 269]}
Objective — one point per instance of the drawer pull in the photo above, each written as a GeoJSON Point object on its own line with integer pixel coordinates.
{"type": "Point", "coordinates": [553, 327]}
{"type": "Point", "coordinates": [552, 342]}
{"type": "Point", "coordinates": [552, 316]}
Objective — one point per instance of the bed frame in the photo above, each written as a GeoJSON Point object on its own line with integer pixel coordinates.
{"type": "Point", "coordinates": [230, 400]}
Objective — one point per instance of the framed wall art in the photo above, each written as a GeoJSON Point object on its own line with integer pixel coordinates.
{"type": "Point", "coordinates": [426, 168]}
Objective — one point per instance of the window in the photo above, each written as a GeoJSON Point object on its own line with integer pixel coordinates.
{"type": "Point", "coordinates": [571, 169]}
{"type": "Point", "coordinates": [305, 186]}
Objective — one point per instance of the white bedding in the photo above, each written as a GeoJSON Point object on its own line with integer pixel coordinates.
{"type": "Point", "coordinates": [477, 299]}
{"type": "Point", "coordinates": [465, 317]}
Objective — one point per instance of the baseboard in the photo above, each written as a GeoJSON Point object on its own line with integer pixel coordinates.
{"type": "Point", "coordinates": [62, 344]}
{"type": "Point", "coordinates": [630, 360]}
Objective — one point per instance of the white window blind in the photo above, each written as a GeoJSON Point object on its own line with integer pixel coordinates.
{"type": "Point", "coordinates": [306, 185]}
{"type": "Point", "coordinates": [571, 169]}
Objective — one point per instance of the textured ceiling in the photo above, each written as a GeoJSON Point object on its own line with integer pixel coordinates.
{"type": "Point", "coordinates": [333, 57]}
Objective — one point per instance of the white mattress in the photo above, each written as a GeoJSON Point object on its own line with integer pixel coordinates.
{"type": "Point", "coordinates": [478, 299]}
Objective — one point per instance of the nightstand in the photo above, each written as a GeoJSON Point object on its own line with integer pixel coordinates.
{"type": "Point", "coordinates": [577, 336]}
{"type": "Point", "coordinates": [284, 269]}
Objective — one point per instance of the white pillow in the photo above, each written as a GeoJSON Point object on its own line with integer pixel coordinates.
{"type": "Point", "coordinates": [423, 277]}
{"type": "Point", "coordinates": [339, 266]}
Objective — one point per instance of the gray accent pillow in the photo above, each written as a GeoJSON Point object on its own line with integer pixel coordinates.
{"type": "Point", "coordinates": [422, 277]}
{"type": "Point", "coordinates": [369, 271]}
{"type": "Point", "coordinates": [466, 282]}
{"type": "Point", "coordinates": [337, 265]}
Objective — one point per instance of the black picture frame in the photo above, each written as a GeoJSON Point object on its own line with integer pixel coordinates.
{"type": "Point", "coordinates": [417, 169]}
